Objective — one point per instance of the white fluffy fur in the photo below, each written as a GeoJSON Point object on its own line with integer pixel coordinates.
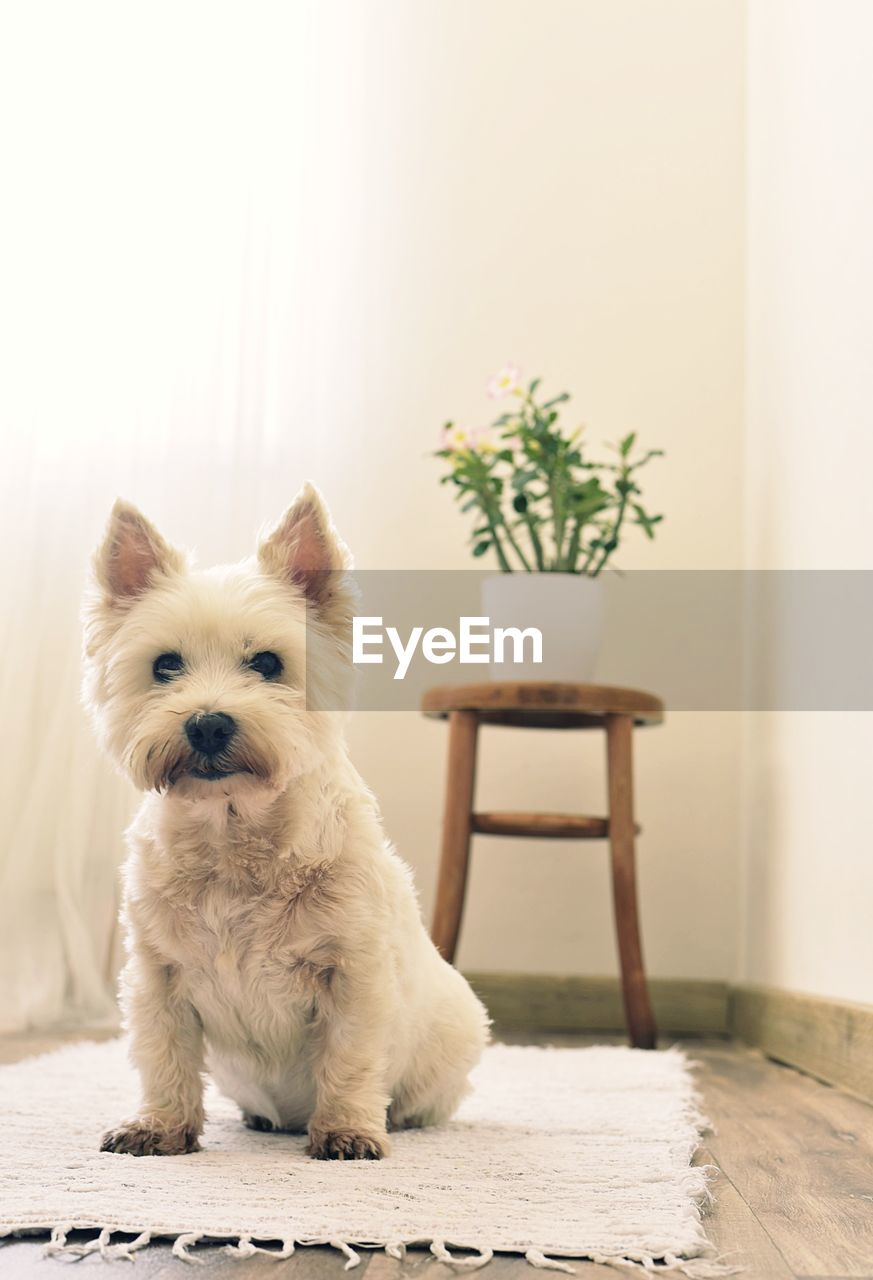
{"type": "Point", "coordinates": [273, 934]}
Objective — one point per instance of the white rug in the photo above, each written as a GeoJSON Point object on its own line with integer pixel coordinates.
{"type": "Point", "coordinates": [558, 1153]}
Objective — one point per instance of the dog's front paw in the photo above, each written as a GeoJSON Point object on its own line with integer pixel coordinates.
{"type": "Point", "coordinates": [147, 1138]}
{"type": "Point", "coordinates": [346, 1144]}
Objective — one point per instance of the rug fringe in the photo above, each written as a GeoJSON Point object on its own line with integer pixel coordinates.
{"type": "Point", "coordinates": [59, 1248]}
{"type": "Point", "coordinates": [706, 1268]}
{"type": "Point", "coordinates": [699, 1268]}
{"type": "Point", "coordinates": [58, 1241]}
{"type": "Point", "coordinates": [538, 1259]}
{"type": "Point", "coordinates": [182, 1245]}
{"type": "Point", "coordinates": [353, 1258]}
{"type": "Point", "coordinates": [439, 1251]}
{"type": "Point", "coordinates": [245, 1248]}
{"type": "Point", "coordinates": [126, 1248]}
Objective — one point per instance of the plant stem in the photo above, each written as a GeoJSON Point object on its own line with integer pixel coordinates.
{"type": "Point", "coordinates": [558, 517]}
{"type": "Point", "coordinates": [587, 562]}
{"type": "Point", "coordinates": [516, 548]}
{"type": "Point", "coordinates": [535, 541]}
{"type": "Point", "coordinates": [573, 547]}
{"type": "Point", "coordinates": [494, 516]}
{"type": "Point", "coordinates": [505, 566]}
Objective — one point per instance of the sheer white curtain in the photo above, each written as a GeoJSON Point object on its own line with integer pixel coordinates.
{"type": "Point", "coordinates": [166, 269]}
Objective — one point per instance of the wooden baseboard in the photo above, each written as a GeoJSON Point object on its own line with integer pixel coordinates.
{"type": "Point", "coordinates": [543, 1003]}
{"type": "Point", "coordinates": [829, 1039]}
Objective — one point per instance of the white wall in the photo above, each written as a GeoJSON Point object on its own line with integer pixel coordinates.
{"type": "Point", "coordinates": [255, 244]}
{"type": "Point", "coordinates": [808, 878]}
{"type": "Point", "coordinates": [562, 184]}
{"type": "Point", "coordinates": [312, 246]}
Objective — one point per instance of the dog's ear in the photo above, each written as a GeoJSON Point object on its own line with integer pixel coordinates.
{"type": "Point", "coordinates": [305, 549]}
{"type": "Point", "coordinates": [133, 555]}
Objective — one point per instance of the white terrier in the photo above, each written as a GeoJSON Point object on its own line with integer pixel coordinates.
{"type": "Point", "coordinates": [273, 935]}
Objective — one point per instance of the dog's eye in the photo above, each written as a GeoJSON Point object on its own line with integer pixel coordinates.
{"type": "Point", "coordinates": [267, 664]}
{"type": "Point", "coordinates": [166, 666]}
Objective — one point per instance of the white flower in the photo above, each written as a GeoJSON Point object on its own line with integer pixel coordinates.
{"type": "Point", "coordinates": [456, 438]}
{"type": "Point", "coordinates": [507, 381]}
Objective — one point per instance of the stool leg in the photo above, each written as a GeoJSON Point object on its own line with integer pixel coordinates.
{"type": "Point", "coordinates": [641, 1023]}
{"type": "Point", "coordinates": [457, 826]}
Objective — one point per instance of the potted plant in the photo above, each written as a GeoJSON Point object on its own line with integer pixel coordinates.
{"type": "Point", "coordinates": [550, 515]}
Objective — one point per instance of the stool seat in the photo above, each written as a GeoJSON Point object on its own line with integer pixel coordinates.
{"type": "Point", "coordinates": [535, 704]}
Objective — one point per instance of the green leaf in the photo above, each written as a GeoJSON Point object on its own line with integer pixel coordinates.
{"type": "Point", "coordinates": [533, 386]}
{"type": "Point", "coordinates": [583, 511]}
{"type": "Point", "coordinates": [519, 502]}
{"type": "Point", "coordinates": [627, 444]}
{"type": "Point", "coordinates": [645, 521]}
{"type": "Point", "coordinates": [481, 547]}
{"type": "Point", "coordinates": [641, 462]}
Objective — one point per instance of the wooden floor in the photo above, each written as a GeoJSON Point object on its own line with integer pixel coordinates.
{"type": "Point", "coordinates": [794, 1197]}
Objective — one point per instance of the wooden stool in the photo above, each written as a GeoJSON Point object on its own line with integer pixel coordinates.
{"type": "Point", "coordinates": [532, 705]}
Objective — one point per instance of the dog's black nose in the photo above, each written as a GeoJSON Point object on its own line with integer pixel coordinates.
{"type": "Point", "coordinates": [211, 732]}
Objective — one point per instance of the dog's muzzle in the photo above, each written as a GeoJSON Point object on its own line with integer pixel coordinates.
{"type": "Point", "coordinates": [210, 733]}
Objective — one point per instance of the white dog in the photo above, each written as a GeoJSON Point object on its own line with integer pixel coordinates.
{"type": "Point", "coordinates": [273, 935]}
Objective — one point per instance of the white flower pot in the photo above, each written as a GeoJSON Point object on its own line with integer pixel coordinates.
{"type": "Point", "coordinates": [567, 608]}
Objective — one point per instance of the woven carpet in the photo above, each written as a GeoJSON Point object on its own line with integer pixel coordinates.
{"type": "Point", "coordinates": [556, 1154]}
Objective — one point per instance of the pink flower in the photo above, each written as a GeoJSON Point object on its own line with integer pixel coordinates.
{"type": "Point", "coordinates": [507, 381]}
{"type": "Point", "coordinates": [484, 440]}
